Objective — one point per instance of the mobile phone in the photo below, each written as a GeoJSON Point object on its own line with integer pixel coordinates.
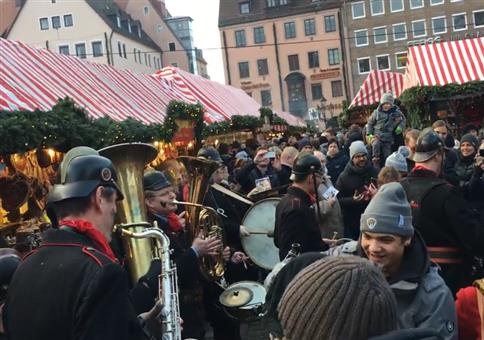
{"type": "Point", "coordinates": [270, 154]}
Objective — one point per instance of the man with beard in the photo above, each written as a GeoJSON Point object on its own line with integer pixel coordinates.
{"type": "Point", "coordinates": [295, 215]}
{"type": "Point", "coordinates": [353, 184]}
{"type": "Point", "coordinates": [451, 230]}
{"type": "Point", "coordinates": [389, 240]}
{"type": "Point", "coordinates": [260, 168]}
{"type": "Point", "coordinates": [448, 170]}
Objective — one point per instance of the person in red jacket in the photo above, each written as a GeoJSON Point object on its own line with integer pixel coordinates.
{"type": "Point", "coordinates": [470, 311]}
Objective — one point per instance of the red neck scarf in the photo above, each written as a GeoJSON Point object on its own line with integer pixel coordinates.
{"type": "Point", "coordinates": [421, 167]}
{"type": "Point", "coordinates": [174, 223]}
{"type": "Point", "coordinates": [86, 228]}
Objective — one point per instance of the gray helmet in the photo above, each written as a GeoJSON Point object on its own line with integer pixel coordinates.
{"type": "Point", "coordinates": [306, 163]}
{"type": "Point", "coordinates": [83, 175]}
{"type": "Point", "coordinates": [210, 153]}
{"type": "Point", "coordinates": [155, 180]}
{"type": "Point", "coordinates": [428, 145]}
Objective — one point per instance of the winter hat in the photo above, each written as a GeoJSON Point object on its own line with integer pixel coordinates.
{"type": "Point", "coordinates": [398, 159]}
{"type": "Point", "coordinates": [388, 212]}
{"type": "Point", "coordinates": [357, 147]}
{"type": "Point", "coordinates": [242, 155]}
{"type": "Point", "coordinates": [468, 128]}
{"type": "Point", "coordinates": [470, 139]}
{"type": "Point", "coordinates": [344, 297]}
{"type": "Point", "coordinates": [302, 143]}
{"type": "Point", "coordinates": [387, 98]}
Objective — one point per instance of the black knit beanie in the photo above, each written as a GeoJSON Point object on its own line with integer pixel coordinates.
{"type": "Point", "coordinates": [343, 297]}
{"type": "Point", "coordinates": [471, 139]}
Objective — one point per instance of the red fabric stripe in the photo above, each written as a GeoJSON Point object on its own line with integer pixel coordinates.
{"type": "Point", "coordinates": [453, 59]}
{"type": "Point", "coordinates": [460, 53]}
{"type": "Point", "coordinates": [468, 50]}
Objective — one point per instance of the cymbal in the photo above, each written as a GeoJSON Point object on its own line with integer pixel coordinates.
{"type": "Point", "coordinates": [235, 297]}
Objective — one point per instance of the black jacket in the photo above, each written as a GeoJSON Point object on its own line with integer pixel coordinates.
{"type": "Point", "coordinates": [247, 175]}
{"type": "Point", "coordinates": [351, 179]}
{"type": "Point", "coordinates": [444, 219]}
{"type": "Point", "coordinates": [296, 223]}
{"type": "Point", "coordinates": [284, 174]}
{"type": "Point", "coordinates": [69, 291]}
{"type": "Point", "coordinates": [448, 170]}
{"type": "Point", "coordinates": [336, 165]}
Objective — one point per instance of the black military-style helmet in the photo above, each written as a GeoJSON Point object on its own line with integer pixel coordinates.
{"type": "Point", "coordinates": [306, 163]}
{"type": "Point", "coordinates": [82, 176]}
{"type": "Point", "coordinates": [210, 153]}
{"type": "Point", "coordinates": [428, 145]}
{"type": "Point", "coordinates": [155, 180]}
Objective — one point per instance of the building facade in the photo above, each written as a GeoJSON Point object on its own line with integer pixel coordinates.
{"type": "Point", "coordinates": [286, 54]}
{"type": "Point", "coordinates": [111, 37]}
{"type": "Point", "coordinates": [377, 33]}
{"type": "Point", "coordinates": [151, 15]}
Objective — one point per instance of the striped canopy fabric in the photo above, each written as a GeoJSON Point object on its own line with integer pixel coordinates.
{"type": "Point", "coordinates": [444, 63]}
{"type": "Point", "coordinates": [375, 85]}
{"type": "Point", "coordinates": [33, 78]}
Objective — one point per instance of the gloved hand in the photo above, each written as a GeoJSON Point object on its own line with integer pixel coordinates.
{"type": "Point", "coordinates": [398, 130]}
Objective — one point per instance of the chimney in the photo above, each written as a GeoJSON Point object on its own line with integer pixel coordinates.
{"type": "Point", "coordinates": [161, 7]}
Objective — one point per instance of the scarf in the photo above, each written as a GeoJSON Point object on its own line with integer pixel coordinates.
{"type": "Point", "coordinates": [174, 223]}
{"type": "Point", "coordinates": [86, 228]}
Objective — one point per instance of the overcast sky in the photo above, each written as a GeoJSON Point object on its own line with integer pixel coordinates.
{"type": "Point", "coordinates": [205, 30]}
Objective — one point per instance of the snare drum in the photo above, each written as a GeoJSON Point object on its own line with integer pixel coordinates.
{"type": "Point", "coordinates": [253, 296]}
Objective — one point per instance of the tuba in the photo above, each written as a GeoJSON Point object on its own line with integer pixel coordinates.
{"type": "Point", "coordinates": [202, 219]}
{"type": "Point", "coordinates": [130, 159]}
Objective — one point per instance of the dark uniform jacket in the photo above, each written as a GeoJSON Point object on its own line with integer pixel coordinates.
{"type": "Point", "coordinates": [445, 220]}
{"type": "Point", "coordinates": [69, 290]}
{"type": "Point", "coordinates": [336, 165]}
{"type": "Point", "coordinates": [296, 223]}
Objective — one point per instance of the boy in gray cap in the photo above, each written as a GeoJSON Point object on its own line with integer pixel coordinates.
{"type": "Point", "coordinates": [389, 240]}
{"type": "Point", "coordinates": [386, 119]}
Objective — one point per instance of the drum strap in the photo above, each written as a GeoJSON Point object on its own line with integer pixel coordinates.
{"type": "Point", "coordinates": [445, 255]}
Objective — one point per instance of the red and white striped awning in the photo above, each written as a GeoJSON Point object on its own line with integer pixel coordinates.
{"type": "Point", "coordinates": [444, 63]}
{"type": "Point", "coordinates": [375, 85]}
{"type": "Point", "coordinates": [33, 78]}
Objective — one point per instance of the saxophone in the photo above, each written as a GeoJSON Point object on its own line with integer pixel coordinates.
{"type": "Point", "coordinates": [168, 279]}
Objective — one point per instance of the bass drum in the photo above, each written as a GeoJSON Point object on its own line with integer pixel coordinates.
{"type": "Point", "coordinates": [260, 220]}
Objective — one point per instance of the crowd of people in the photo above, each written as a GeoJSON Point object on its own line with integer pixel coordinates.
{"type": "Point", "coordinates": [389, 222]}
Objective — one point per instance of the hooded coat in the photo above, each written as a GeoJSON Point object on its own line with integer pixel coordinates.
{"type": "Point", "coordinates": [383, 123]}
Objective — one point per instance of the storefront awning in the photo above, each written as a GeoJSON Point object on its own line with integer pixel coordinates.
{"type": "Point", "coordinates": [375, 85]}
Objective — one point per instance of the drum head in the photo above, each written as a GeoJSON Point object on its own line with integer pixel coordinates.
{"type": "Point", "coordinates": [258, 293]}
{"type": "Point", "coordinates": [261, 217]}
{"type": "Point", "coordinates": [235, 297]}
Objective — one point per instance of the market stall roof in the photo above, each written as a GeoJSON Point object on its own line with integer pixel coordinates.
{"type": "Point", "coordinates": [444, 63]}
{"type": "Point", "coordinates": [33, 78]}
{"type": "Point", "coordinates": [375, 85]}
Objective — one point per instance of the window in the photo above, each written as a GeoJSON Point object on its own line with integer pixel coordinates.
{"type": "Point", "coordinates": [478, 18]}
{"type": "Point", "coordinates": [97, 48]}
{"type": "Point", "coordinates": [290, 30]}
{"type": "Point", "coordinates": [293, 62]}
{"type": "Point", "coordinates": [313, 59]}
{"type": "Point", "coordinates": [282, 2]}
{"type": "Point", "coordinates": [56, 22]}
{"type": "Point", "coordinates": [361, 37]}
{"type": "Point", "coordinates": [383, 62]}
{"type": "Point", "coordinates": [124, 51]}
{"type": "Point", "coordinates": [418, 28]}
{"type": "Point", "coordinates": [414, 4]}
{"type": "Point", "coordinates": [399, 31]}
{"type": "Point", "coordinates": [146, 59]}
{"type": "Point", "coordinates": [364, 65]}
{"type": "Point", "coordinates": [262, 67]}
{"type": "Point", "coordinates": [81, 50]}
{"type": "Point", "coordinates": [172, 46]}
{"type": "Point", "coordinates": [266, 97]}
{"type": "Point", "coordinates": [377, 7]}
{"type": "Point", "coordinates": [119, 49]}
{"type": "Point", "coordinates": [68, 20]}
{"type": "Point", "coordinates": [139, 56]}
{"type": "Point", "coordinates": [333, 56]}
{"type": "Point", "coordinates": [271, 3]}
{"type": "Point", "coordinates": [316, 91]}
{"type": "Point", "coordinates": [135, 55]}
{"type": "Point", "coordinates": [44, 23]}
{"type": "Point", "coordinates": [459, 21]}
{"type": "Point", "coordinates": [244, 69]}
{"type": "Point", "coordinates": [396, 5]}
{"type": "Point", "coordinates": [64, 49]}
{"type": "Point", "coordinates": [439, 25]}
{"type": "Point", "coordinates": [337, 88]}
{"type": "Point", "coordinates": [380, 35]}
{"type": "Point", "coordinates": [436, 2]}
{"type": "Point", "coordinates": [401, 59]}
{"type": "Point", "coordinates": [309, 27]}
{"type": "Point", "coordinates": [329, 23]}
{"type": "Point", "coordinates": [244, 8]}
{"type": "Point", "coordinates": [358, 10]}
{"type": "Point", "coordinates": [259, 35]}
{"type": "Point", "coordinates": [240, 38]}
{"type": "Point", "coordinates": [146, 10]}
{"type": "Point", "coordinates": [118, 20]}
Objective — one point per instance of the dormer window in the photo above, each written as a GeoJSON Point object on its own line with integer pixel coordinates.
{"type": "Point", "coordinates": [118, 20]}
{"type": "Point", "coordinates": [129, 26]}
{"type": "Point", "coordinates": [139, 31]}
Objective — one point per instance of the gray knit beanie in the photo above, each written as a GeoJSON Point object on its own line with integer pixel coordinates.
{"type": "Point", "coordinates": [388, 212]}
{"type": "Point", "coordinates": [344, 297]}
{"type": "Point", "coordinates": [387, 98]}
{"type": "Point", "coordinates": [398, 159]}
{"type": "Point", "coordinates": [471, 139]}
{"type": "Point", "coordinates": [357, 147]}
